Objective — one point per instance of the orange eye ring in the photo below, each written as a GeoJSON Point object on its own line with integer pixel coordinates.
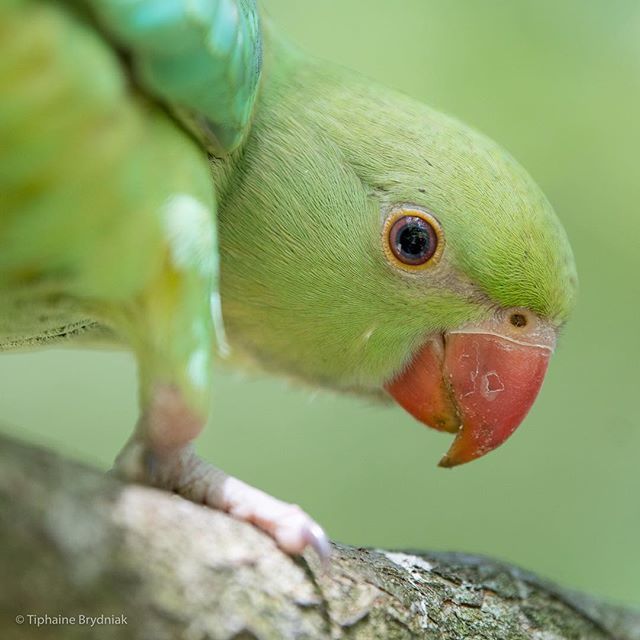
{"type": "Point", "coordinates": [412, 239]}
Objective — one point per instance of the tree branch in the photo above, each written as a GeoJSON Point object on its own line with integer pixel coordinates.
{"type": "Point", "coordinates": [74, 543]}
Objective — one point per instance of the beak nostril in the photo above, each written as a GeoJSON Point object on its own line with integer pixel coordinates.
{"type": "Point", "coordinates": [518, 320]}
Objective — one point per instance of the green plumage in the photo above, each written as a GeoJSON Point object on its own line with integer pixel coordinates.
{"type": "Point", "coordinates": [203, 58]}
{"type": "Point", "coordinates": [305, 284]}
{"type": "Point", "coordinates": [90, 173]}
{"type": "Point", "coordinates": [109, 207]}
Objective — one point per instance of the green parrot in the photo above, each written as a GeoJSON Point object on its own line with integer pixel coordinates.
{"type": "Point", "coordinates": [179, 179]}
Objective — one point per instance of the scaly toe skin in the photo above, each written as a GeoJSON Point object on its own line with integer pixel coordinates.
{"type": "Point", "coordinates": [291, 528]}
{"type": "Point", "coordinates": [295, 531]}
{"type": "Point", "coordinates": [131, 464]}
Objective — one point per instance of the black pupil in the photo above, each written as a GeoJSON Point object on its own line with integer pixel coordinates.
{"type": "Point", "coordinates": [414, 240]}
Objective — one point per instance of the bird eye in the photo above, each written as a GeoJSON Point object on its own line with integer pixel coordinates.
{"type": "Point", "coordinates": [413, 238]}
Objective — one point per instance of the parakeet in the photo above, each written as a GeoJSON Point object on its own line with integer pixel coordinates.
{"type": "Point", "coordinates": [178, 178]}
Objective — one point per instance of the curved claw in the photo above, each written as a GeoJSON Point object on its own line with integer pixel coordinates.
{"type": "Point", "coordinates": [316, 538]}
{"type": "Point", "coordinates": [292, 529]}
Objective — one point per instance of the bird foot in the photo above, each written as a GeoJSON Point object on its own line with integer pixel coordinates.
{"type": "Point", "coordinates": [291, 528]}
{"type": "Point", "coordinates": [191, 477]}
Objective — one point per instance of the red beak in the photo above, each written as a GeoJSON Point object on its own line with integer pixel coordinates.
{"type": "Point", "coordinates": [479, 381]}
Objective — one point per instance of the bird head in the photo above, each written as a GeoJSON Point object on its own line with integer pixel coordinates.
{"type": "Point", "coordinates": [374, 245]}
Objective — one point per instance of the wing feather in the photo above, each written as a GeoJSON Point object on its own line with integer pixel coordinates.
{"type": "Point", "coordinates": [201, 57]}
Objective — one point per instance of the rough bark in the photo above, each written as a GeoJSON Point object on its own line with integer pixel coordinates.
{"type": "Point", "coordinates": [75, 542]}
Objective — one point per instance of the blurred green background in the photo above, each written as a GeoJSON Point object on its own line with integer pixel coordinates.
{"type": "Point", "coordinates": [558, 84]}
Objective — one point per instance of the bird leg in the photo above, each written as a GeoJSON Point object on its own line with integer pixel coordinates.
{"type": "Point", "coordinates": [182, 471]}
{"type": "Point", "coordinates": [171, 330]}
{"type": "Point", "coordinates": [160, 454]}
